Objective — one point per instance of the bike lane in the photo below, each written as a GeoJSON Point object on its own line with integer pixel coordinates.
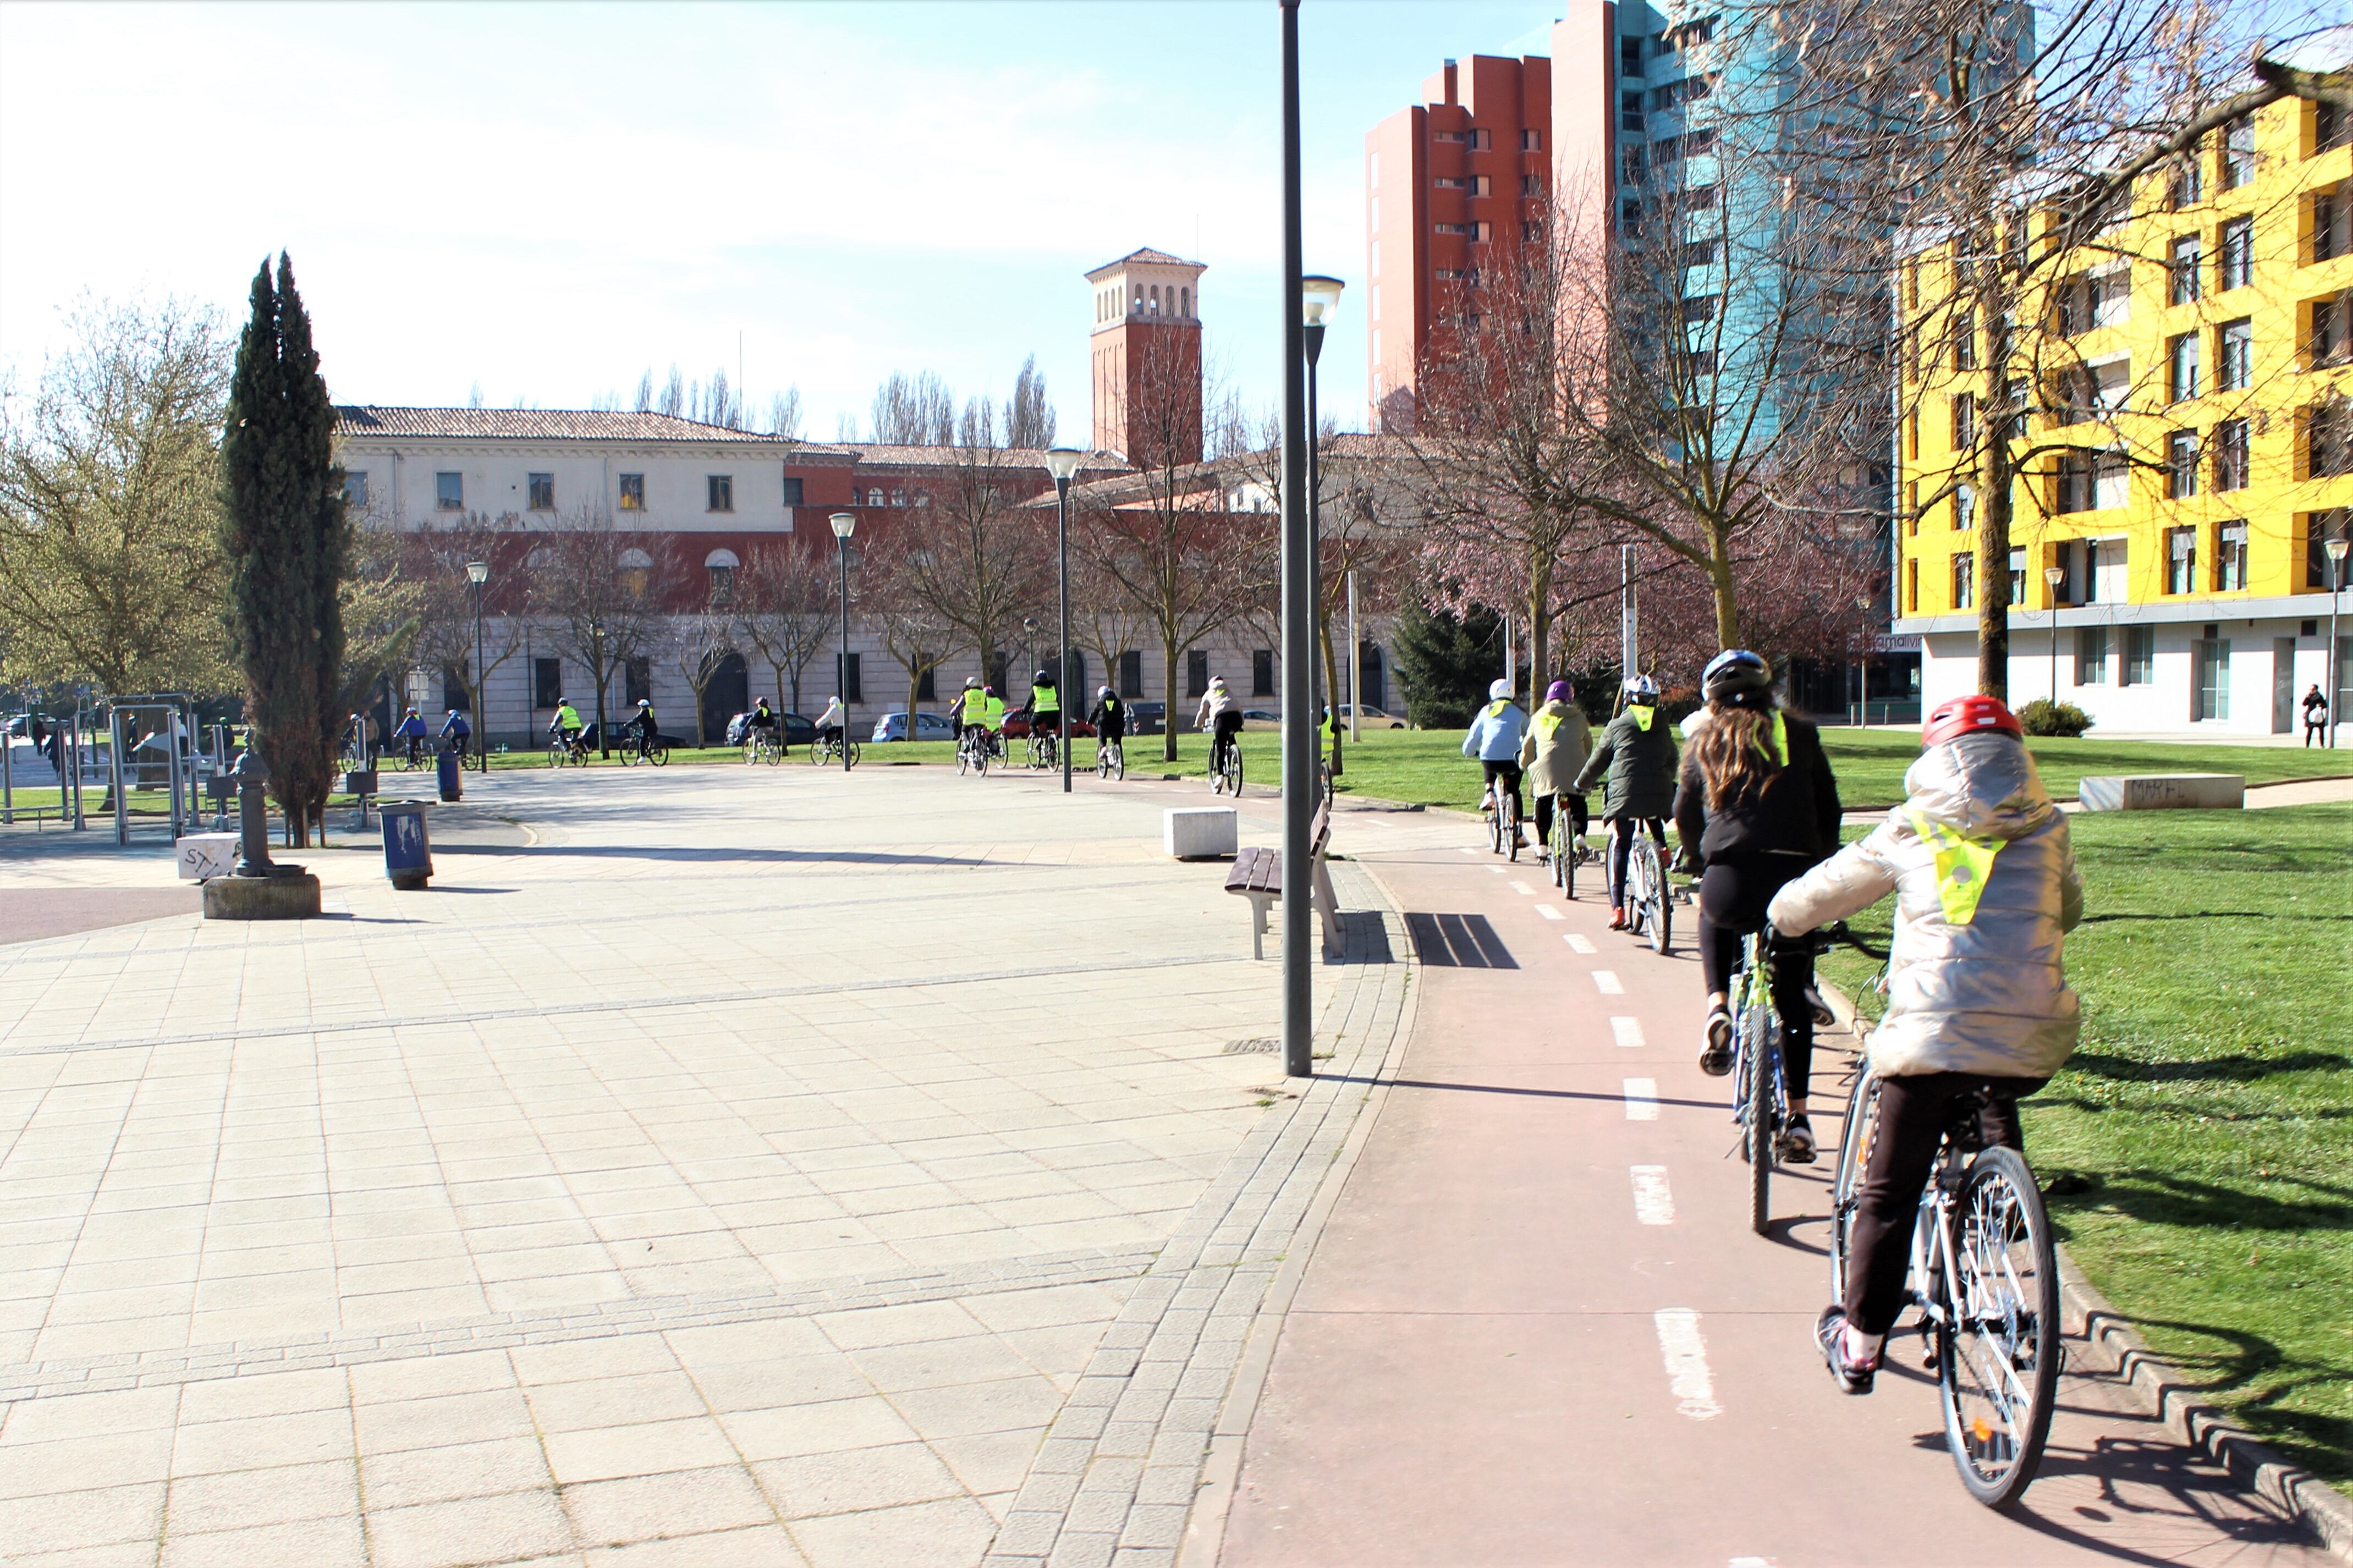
{"type": "Point", "coordinates": [1537, 1328]}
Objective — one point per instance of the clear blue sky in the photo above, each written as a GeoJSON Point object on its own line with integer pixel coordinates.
{"type": "Point", "coordinates": [546, 199]}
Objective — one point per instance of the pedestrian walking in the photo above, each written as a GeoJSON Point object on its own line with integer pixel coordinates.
{"type": "Point", "coordinates": [2316, 715]}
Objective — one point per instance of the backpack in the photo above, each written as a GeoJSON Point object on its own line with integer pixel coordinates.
{"type": "Point", "coordinates": [735, 726]}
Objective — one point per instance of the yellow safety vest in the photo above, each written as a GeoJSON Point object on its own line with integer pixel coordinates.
{"type": "Point", "coordinates": [1962, 866]}
{"type": "Point", "coordinates": [1545, 723]}
{"type": "Point", "coordinates": [1045, 699]}
{"type": "Point", "coordinates": [992, 713]}
{"type": "Point", "coordinates": [1778, 754]}
{"type": "Point", "coordinates": [567, 717]}
{"type": "Point", "coordinates": [1495, 710]}
{"type": "Point", "coordinates": [1643, 714]}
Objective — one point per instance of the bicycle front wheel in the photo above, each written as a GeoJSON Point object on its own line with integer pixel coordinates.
{"type": "Point", "coordinates": [1855, 1137]}
{"type": "Point", "coordinates": [853, 752]}
{"type": "Point", "coordinates": [658, 756]}
{"type": "Point", "coordinates": [1758, 1081]}
{"type": "Point", "coordinates": [1998, 1365]}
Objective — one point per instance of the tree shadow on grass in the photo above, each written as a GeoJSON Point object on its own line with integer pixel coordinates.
{"type": "Point", "coordinates": [2242, 1068]}
{"type": "Point", "coordinates": [2166, 1198]}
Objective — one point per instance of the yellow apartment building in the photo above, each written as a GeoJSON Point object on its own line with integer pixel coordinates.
{"type": "Point", "coordinates": [2188, 449]}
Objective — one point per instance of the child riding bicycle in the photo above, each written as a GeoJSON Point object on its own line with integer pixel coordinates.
{"type": "Point", "coordinates": [1986, 890]}
{"type": "Point", "coordinates": [1494, 740]}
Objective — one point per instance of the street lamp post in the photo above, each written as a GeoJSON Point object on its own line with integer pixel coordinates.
{"type": "Point", "coordinates": [2337, 549]}
{"type": "Point", "coordinates": [2053, 576]}
{"type": "Point", "coordinates": [845, 523]}
{"type": "Point", "coordinates": [1863, 608]}
{"type": "Point", "coordinates": [1062, 462]}
{"type": "Point", "coordinates": [1318, 297]}
{"type": "Point", "coordinates": [1298, 604]}
{"type": "Point", "coordinates": [477, 573]}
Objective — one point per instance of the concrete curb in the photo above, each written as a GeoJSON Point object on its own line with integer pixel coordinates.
{"type": "Point", "coordinates": [2323, 1511]}
{"type": "Point", "coordinates": [1204, 1526]}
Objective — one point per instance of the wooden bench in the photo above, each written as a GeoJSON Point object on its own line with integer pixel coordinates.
{"type": "Point", "coordinates": [1258, 876]}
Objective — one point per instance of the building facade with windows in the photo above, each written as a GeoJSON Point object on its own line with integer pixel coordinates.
{"type": "Point", "coordinates": [2188, 454]}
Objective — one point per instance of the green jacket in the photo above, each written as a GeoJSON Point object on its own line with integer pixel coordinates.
{"type": "Point", "coordinates": [1637, 754]}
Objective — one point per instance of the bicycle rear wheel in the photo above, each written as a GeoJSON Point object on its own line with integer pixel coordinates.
{"type": "Point", "coordinates": [1762, 1069]}
{"type": "Point", "coordinates": [852, 745]}
{"type": "Point", "coordinates": [1662, 901]}
{"type": "Point", "coordinates": [659, 755]}
{"type": "Point", "coordinates": [1855, 1137]}
{"type": "Point", "coordinates": [1511, 835]}
{"type": "Point", "coordinates": [1998, 1365]}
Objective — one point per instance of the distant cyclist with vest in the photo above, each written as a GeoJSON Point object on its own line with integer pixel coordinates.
{"type": "Point", "coordinates": [1636, 757]}
{"type": "Point", "coordinates": [1221, 719]}
{"type": "Point", "coordinates": [1757, 807]}
{"type": "Point", "coordinates": [1986, 890]}
{"type": "Point", "coordinates": [1045, 710]}
{"type": "Point", "coordinates": [1559, 740]}
{"type": "Point", "coordinates": [1496, 737]}
{"type": "Point", "coordinates": [1109, 717]}
{"type": "Point", "coordinates": [566, 725]}
{"type": "Point", "coordinates": [643, 727]}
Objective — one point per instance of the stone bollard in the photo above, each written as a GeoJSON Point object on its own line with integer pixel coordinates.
{"type": "Point", "coordinates": [1201, 833]}
{"type": "Point", "coordinates": [259, 889]}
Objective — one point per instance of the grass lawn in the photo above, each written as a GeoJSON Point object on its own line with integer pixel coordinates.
{"type": "Point", "coordinates": [2201, 1138]}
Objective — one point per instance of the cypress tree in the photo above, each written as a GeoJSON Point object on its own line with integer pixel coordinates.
{"type": "Point", "coordinates": [1447, 661]}
{"type": "Point", "coordinates": [288, 540]}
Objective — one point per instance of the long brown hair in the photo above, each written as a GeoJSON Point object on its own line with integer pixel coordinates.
{"type": "Point", "coordinates": [1734, 754]}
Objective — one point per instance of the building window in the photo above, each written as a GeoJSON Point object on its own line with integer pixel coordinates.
{"type": "Point", "coordinates": [2140, 657]}
{"type": "Point", "coordinates": [2332, 224]}
{"type": "Point", "coordinates": [2210, 698]}
{"type": "Point", "coordinates": [2329, 440]}
{"type": "Point", "coordinates": [542, 491]}
{"type": "Point", "coordinates": [2230, 455]}
{"type": "Point", "coordinates": [1965, 506]}
{"type": "Point", "coordinates": [636, 569]}
{"type": "Point", "coordinates": [722, 565]}
{"type": "Point", "coordinates": [2183, 261]}
{"type": "Point", "coordinates": [355, 488]}
{"type": "Point", "coordinates": [2091, 656]}
{"type": "Point", "coordinates": [1197, 672]}
{"type": "Point", "coordinates": [2234, 358]}
{"type": "Point", "coordinates": [2230, 558]}
{"type": "Point", "coordinates": [2237, 262]}
{"type": "Point", "coordinates": [1698, 309]}
{"type": "Point", "coordinates": [2237, 152]}
{"type": "Point", "coordinates": [1261, 672]}
{"type": "Point", "coordinates": [2319, 528]}
{"type": "Point", "coordinates": [792, 491]}
{"type": "Point", "coordinates": [2330, 126]}
{"type": "Point", "coordinates": [2186, 185]}
{"type": "Point", "coordinates": [873, 498]}
{"type": "Point", "coordinates": [546, 682]}
{"type": "Point", "coordinates": [1531, 141]}
{"type": "Point", "coordinates": [1965, 342]}
{"type": "Point", "coordinates": [2181, 367]}
{"type": "Point", "coordinates": [2180, 560]}
{"type": "Point", "coordinates": [2331, 341]}
{"type": "Point", "coordinates": [1912, 586]}
{"type": "Point", "coordinates": [450, 492]}
{"type": "Point", "coordinates": [2180, 465]}
{"type": "Point", "coordinates": [1965, 581]}
{"type": "Point", "coordinates": [1630, 111]}
{"type": "Point", "coordinates": [638, 680]}
{"type": "Point", "coordinates": [718, 492]}
{"type": "Point", "coordinates": [846, 679]}
{"type": "Point", "coordinates": [1130, 673]}
{"type": "Point", "coordinates": [633, 492]}
{"type": "Point", "coordinates": [1629, 55]}
{"type": "Point", "coordinates": [2017, 578]}
{"type": "Point", "coordinates": [2075, 471]}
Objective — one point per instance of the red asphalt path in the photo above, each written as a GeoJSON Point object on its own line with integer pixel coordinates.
{"type": "Point", "coordinates": [1475, 1368]}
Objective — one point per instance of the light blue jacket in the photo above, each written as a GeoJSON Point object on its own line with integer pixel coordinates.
{"type": "Point", "coordinates": [1496, 733]}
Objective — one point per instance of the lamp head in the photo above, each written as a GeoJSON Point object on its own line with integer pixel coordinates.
{"type": "Point", "coordinates": [2336, 548]}
{"type": "Point", "coordinates": [478, 573]}
{"type": "Point", "coordinates": [2055, 575]}
{"type": "Point", "coordinates": [1318, 297]}
{"type": "Point", "coordinates": [845, 523]}
{"type": "Point", "coordinates": [1062, 462]}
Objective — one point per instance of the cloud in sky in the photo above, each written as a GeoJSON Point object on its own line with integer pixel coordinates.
{"type": "Point", "coordinates": [546, 200]}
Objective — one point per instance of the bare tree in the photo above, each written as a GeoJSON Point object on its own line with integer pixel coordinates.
{"type": "Point", "coordinates": [1029, 417]}
{"type": "Point", "coordinates": [699, 646]}
{"type": "Point", "coordinates": [785, 609]}
{"type": "Point", "coordinates": [785, 414]}
{"type": "Point", "coordinates": [976, 557]}
{"type": "Point", "coordinates": [435, 562]}
{"type": "Point", "coordinates": [915, 633]}
{"type": "Point", "coordinates": [598, 598]}
{"type": "Point", "coordinates": [914, 411]}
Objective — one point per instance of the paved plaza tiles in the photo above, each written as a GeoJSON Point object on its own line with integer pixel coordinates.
{"type": "Point", "coordinates": [716, 1166]}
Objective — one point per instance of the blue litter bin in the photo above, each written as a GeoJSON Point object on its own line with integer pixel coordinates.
{"type": "Point", "coordinates": [408, 853]}
{"type": "Point", "coordinates": [451, 781]}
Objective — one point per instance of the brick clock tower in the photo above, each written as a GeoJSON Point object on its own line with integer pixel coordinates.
{"type": "Point", "coordinates": [1147, 358]}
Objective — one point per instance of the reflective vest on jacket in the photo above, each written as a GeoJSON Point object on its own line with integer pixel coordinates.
{"type": "Point", "coordinates": [1963, 865]}
{"type": "Point", "coordinates": [990, 713]}
{"type": "Point", "coordinates": [1643, 714]}
{"type": "Point", "coordinates": [1045, 699]}
{"type": "Point", "coordinates": [568, 717]}
{"type": "Point", "coordinates": [1545, 724]}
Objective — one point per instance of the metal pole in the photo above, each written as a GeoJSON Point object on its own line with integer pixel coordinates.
{"type": "Point", "coordinates": [2336, 675]}
{"type": "Point", "coordinates": [1356, 657]}
{"type": "Point", "coordinates": [1062, 590]}
{"type": "Point", "coordinates": [172, 734]}
{"type": "Point", "coordinates": [114, 775]}
{"type": "Point", "coordinates": [8, 773]}
{"type": "Point", "coordinates": [1299, 744]}
{"type": "Point", "coordinates": [1310, 338]}
{"type": "Point", "coordinates": [81, 824]}
{"type": "Point", "coordinates": [1628, 653]}
{"type": "Point", "coordinates": [481, 705]}
{"type": "Point", "coordinates": [842, 675]}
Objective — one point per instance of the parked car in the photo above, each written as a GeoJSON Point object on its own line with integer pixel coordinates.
{"type": "Point", "coordinates": [1261, 719]}
{"type": "Point", "coordinates": [1147, 718]}
{"type": "Point", "coordinates": [1016, 727]}
{"type": "Point", "coordinates": [928, 727]}
{"type": "Point", "coordinates": [1374, 716]}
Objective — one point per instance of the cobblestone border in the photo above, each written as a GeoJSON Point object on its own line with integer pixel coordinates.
{"type": "Point", "coordinates": [1116, 1478]}
{"type": "Point", "coordinates": [498, 1331]}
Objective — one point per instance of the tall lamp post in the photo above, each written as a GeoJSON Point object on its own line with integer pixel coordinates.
{"type": "Point", "coordinates": [477, 573]}
{"type": "Point", "coordinates": [1062, 462]}
{"type": "Point", "coordinates": [2337, 549]}
{"type": "Point", "coordinates": [1862, 609]}
{"type": "Point", "coordinates": [1298, 604]}
{"type": "Point", "coordinates": [1318, 297]}
{"type": "Point", "coordinates": [2053, 576]}
{"type": "Point", "coordinates": [845, 523]}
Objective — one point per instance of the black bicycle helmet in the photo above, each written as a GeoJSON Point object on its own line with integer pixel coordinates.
{"type": "Point", "coordinates": [1043, 678]}
{"type": "Point", "coordinates": [1737, 678]}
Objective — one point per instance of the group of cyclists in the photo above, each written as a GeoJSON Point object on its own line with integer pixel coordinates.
{"type": "Point", "coordinates": [980, 716]}
{"type": "Point", "coordinates": [1977, 857]}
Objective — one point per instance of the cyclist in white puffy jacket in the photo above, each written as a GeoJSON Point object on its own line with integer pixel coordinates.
{"type": "Point", "coordinates": [1496, 737]}
{"type": "Point", "coordinates": [1977, 1000]}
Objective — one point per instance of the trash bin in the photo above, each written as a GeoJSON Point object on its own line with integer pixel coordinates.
{"type": "Point", "coordinates": [408, 854]}
{"type": "Point", "coordinates": [452, 780]}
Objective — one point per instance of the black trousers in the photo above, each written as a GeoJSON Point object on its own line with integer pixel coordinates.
{"type": "Point", "coordinates": [1733, 895]}
{"type": "Point", "coordinates": [1510, 773]}
{"type": "Point", "coordinates": [1913, 1114]}
{"type": "Point", "coordinates": [1621, 849]}
{"type": "Point", "coordinates": [1577, 815]}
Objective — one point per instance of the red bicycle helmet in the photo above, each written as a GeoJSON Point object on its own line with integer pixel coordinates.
{"type": "Point", "coordinates": [1958, 716]}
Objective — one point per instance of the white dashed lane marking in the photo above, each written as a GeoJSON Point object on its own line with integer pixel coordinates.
{"type": "Point", "coordinates": [1605, 982]}
{"type": "Point", "coordinates": [1523, 889]}
{"type": "Point", "coordinates": [1641, 1099]}
{"type": "Point", "coordinates": [1653, 1203]}
{"type": "Point", "coordinates": [1626, 1031]}
{"type": "Point", "coordinates": [1578, 943]}
{"type": "Point", "coordinates": [1549, 912]}
{"type": "Point", "coordinates": [1685, 1354]}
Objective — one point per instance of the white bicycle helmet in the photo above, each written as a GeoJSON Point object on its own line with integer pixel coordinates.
{"type": "Point", "coordinates": [1499, 691]}
{"type": "Point", "coordinates": [1642, 689]}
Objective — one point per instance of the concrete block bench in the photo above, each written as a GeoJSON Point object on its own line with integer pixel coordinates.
{"type": "Point", "coordinates": [2162, 792]}
{"type": "Point", "coordinates": [1258, 876]}
{"type": "Point", "coordinates": [203, 855]}
{"type": "Point", "coordinates": [1201, 833]}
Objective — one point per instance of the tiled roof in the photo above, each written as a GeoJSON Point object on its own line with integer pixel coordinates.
{"type": "Point", "coordinates": [537, 425]}
{"type": "Point", "coordinates": [1010, 457]}
{"type": "Point", "coordinates": [1146, 257]}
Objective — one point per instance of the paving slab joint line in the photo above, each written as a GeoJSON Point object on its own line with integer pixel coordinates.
{"type": "Point", "coordinates": [1213, 1501]}
{"type": "Point", "coordinates": [2161, 1389]}
{"type": "Point", "coordinates": [2323, 1511]}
